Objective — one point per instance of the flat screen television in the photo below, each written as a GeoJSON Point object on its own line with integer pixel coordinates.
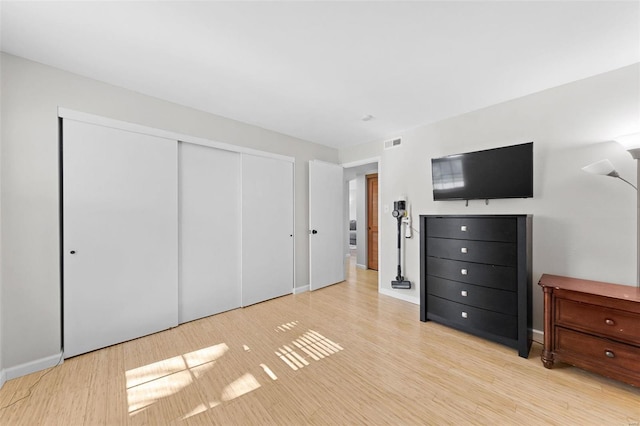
{"type": "Point", "coordinates": [505, 172]}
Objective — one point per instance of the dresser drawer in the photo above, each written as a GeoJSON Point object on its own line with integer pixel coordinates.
{"type": "Point", "coordinates": [595, 350]}
{"type": "Point", "coordinates": [619, 325]}
{"type": "Point", "coordinates": [491, 252]}
{"type": "Point", "coordinates": [485, 229]}
{"type": "Point", "coordinates": [501, 301]}
{"type": "Point", "coordinates": [469, 317]}
{"type": "Point", "coordinates": [494, 276]}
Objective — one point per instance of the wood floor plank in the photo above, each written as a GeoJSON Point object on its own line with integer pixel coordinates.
{"type": "Point", "coordinates": [344, 354]}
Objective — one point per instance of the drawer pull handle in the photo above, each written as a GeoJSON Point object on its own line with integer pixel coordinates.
{"type": "Point", "coordinates": [463, 250]}
{"type": "Point", "coordinates": [463, 293]}
{"type": "Point", "coordinates": [463, 228]}
{"type": "Point", "coordinates": [609, 354]}
{"type": "Point", "coordinates": [463, 271]}
{"type": "Point", "coordinates": [609, 321]}
{"type": "Point", "coordinates": [464, 315]}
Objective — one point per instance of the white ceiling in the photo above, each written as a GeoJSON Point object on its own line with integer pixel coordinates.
{"type": "Point", "coordinates": [313, 70]}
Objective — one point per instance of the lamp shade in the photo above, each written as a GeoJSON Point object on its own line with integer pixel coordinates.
{"type": "Point", "coordinates": [602, 167]}
{"type": "Point", "coordinates": [631, 143]}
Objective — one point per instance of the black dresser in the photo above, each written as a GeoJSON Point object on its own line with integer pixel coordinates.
{"type": "Point", "coordinates": [475, 275]}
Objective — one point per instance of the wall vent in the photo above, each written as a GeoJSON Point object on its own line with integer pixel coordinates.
{"type": "Point", "coordinates": [392, 143]}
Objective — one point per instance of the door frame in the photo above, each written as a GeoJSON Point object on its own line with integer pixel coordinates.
{"type": "Point", "coordinates": [368, 178]}
{"type": "Point", "coordinates": [362, 162]}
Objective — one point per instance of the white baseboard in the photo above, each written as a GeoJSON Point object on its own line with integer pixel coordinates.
{"type": "Point", "coordinates": [32, 366]}
{"type": "Point", "coordinates": [538, 336]}
{"type": "Point", "coordinates": [398, 295]}
{"type": "Point", "coordinates": [298, 290]}
{"type": "Point", "coordinates": [3, 378]}
{"type": "Point", "coordinates": [359, 266]}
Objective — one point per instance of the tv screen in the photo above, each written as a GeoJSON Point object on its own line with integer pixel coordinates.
{"type": "Point", "coordinates": [505, 172]}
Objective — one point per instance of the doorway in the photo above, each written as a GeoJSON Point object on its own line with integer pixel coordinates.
{"type": "Point", "coordinates": [372, 221]}
{"type": "Point", "coordinates": [361, 245]}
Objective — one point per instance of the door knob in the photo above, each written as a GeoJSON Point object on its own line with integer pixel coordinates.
{"type": "Point", "coordinates": [314, 231]}
{"type": "Point", "coordinates": [72, 252]}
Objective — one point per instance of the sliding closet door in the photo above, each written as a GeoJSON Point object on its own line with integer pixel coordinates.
{"type": "Point", "coordinates": [120, 247]}
{"type": "Point", "coordinates": [267, 228]}
{"type": "Point", "coordinates": [209, 231]}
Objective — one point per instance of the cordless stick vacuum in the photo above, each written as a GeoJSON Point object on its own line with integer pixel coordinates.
{"type": "Point", "coordinates": [399, 212]}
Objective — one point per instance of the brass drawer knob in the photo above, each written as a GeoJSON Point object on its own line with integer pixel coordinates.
{"type": "Point", "coordinates": [463, 228]}
{"type": "Point", "coordinates": [463, 293]}
{"type": "Point", "coordinates": [609, 321]}
{"type": "Point", "coordinates": [464, 315]}
{"type": "Point", "coordinates": [463, 271]}
{"type": "Point", "coordinates": [463, 250]}
{"type": "Point", "coordinates": [609, 354]}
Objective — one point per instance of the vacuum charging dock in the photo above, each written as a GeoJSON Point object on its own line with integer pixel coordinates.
{"type": "Point", "coordinates": [399, 211]}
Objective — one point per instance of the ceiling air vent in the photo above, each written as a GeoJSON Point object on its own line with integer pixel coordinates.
{"type": "Point", "coordinates": [392, 143]}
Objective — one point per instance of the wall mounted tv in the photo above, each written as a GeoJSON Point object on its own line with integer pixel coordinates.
{"type": "Point", "coordinates": [505, 172]}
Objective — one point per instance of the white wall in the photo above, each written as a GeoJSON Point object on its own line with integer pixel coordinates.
{"type": "Point", "coordinates": [352, 199]}
{"type": "Point", "coordinates": [31, 93]}
{"type": "Point", "coordinates": [584, 226]}
{"type": "Point", "coordinates": [2, 373]}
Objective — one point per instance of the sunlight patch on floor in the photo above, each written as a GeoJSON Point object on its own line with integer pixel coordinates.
{"type": "Point", "coordinates": [152, 382]}
{"type": "Point", "coordinates": [313, 344]}
{"type": "Point", "coordinates": [286, 326]}
{"type": "Point", "coordinates": [149, 393]}
{"type": "Point", "coordinates": [239, 387]}
{"type": "Point", "coordinates": [269, 372]}
{"type": "Point", "coordinates": [148, 384]}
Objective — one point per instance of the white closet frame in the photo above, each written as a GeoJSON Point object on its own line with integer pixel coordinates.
{"type": "Point", "coordinates": [132, 127]}
{"type": "Point", "coordinates": [70, 114]}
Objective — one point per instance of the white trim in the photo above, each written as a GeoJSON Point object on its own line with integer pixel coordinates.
{"type": "Point", "coordinates": [380, 232]}
{"type": "Point", "coordinates": [362, 162]}
{"type": "Point", "coordinates": [359, 266]}
{"type": "Point", "coordinates": [293, 226]}
{"type": "Point", "coordinates": [538, 336]}
{"type": "Point", "coordinates": [3, 378]}
{"type": "Point", "coordinates": [303, 289]}
{"type": "Point", "coordinates": [137, 128]}
{"type": "Point", "coordinates": [33, 366]}
{"type": "Point", "coordinates": [398, 295]}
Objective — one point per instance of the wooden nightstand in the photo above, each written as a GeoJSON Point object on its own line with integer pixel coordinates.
{"type": "Point", "coordinates": [592, 325]}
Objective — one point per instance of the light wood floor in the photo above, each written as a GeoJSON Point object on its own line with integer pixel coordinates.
{"type": "Point", "coordinates": [340, 355]}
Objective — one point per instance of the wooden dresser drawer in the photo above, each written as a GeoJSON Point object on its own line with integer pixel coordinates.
{"type": "Point", "coordinates": [469, 317]}
{"type": "Point", "coordinates": [619, 325]}
{"type": "Point", "coordinates": [604, 353]}
{"type": "Point", "coordinates": [485, 229]}
{"type": "Point", "coordinates": [592, 325]}
{"type": "Point", "coordinates": [501, 301]}
{"type": "Point", "coordinates": [488, 252]}
{"type": "Point", "coordinates": [494, 276]}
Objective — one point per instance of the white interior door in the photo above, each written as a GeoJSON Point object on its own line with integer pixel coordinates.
{"type": "Point", "coordinates": [326, 223]}
{"type": "Point", "coordinates": [209, 231]}
{"type": "Point", "coordinates": [267, 228]}
{"type": "Point", "coordinates": [120, 247]}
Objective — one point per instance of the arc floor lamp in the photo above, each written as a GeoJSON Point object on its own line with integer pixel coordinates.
{"type": "Point", "coordinates": [631, 143]}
